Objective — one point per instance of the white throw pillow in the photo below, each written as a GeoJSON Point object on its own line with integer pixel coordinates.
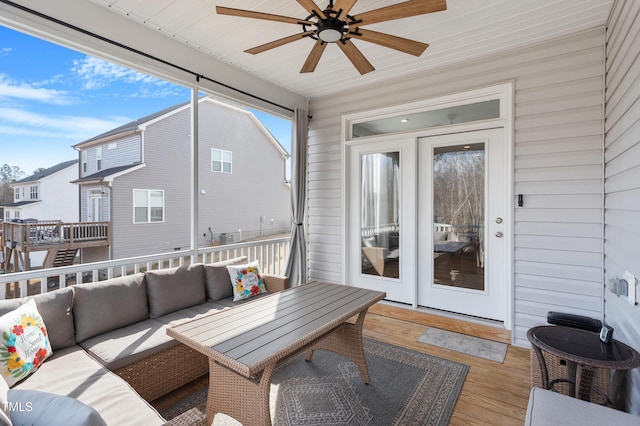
{"type": "Point", "coordinates": [25, 343]}
{"type": "Point", "coordinates": [246, 280]}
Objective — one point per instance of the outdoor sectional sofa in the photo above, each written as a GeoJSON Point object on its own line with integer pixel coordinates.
{"type": "Point", "coordinates": [111, 352]}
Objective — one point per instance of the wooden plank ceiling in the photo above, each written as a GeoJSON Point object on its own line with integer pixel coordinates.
{"type": "Point", "coordinates": [467, 29]}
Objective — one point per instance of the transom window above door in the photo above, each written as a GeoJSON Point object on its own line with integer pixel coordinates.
{"type": "Point", "coordinates": [458, 112]}
{"type": "Point", "coordinates": [409, 121]}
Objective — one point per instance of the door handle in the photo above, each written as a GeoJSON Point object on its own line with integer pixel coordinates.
{"type": "Point", "coordinates": [499, 234]}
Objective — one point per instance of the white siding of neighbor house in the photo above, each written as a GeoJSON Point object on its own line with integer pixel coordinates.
{"type": "Point", "coordinates": [558, 167]}
{"type": "Point", "coordinates": [622, 176]}
{"type": "Point", "coordinates": [58, 197]}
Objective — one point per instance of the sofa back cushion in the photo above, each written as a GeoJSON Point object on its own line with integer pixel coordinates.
{"type": "Point", "coordinates": [107, 305]}
{"type": "Point", "coordinates": [218, 283]}
{"type": "Point", "coordinates": [55, 307]}
{"type": "Point", "coordinates": [173, 289]}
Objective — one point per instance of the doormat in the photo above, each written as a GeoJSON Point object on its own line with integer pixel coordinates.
{"type": "Point", "coordinates": [407, 388]}
{"type": "Point", "coordinates": [476, 346]}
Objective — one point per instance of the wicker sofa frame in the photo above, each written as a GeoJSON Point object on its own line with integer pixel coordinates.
{"type": "Point", "coordinates": [171, 367]}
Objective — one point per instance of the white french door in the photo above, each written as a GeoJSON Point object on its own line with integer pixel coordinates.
{"type": "Point", "coordinates": [462, 223]}
{"type": "Point", "coordinates": [94, 208]}
{"type": "Point", "coordinates": [428, 221]}
{"type": "Point", "coordinates": [381, 221]}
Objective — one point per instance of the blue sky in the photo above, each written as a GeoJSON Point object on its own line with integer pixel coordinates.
{"type": "Point", "coordinates": [52, 98]}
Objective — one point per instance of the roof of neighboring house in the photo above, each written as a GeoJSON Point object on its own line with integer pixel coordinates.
{"type": "Point", "coordinates": [46, 172]}
{"type": "Point", "coordinates": [20, 203]}
{"type": "Point", "coordinates": [133, 125]}
{"type": "Point", "coordinates": [103, 174]}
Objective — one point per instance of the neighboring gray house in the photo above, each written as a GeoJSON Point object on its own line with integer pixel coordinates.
{"type": "Point", "coordinates": [137, 176]}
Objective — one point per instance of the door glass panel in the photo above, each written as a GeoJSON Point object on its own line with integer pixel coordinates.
{"type": "Point", "coordinates": [380, 215]}
{"type": "Point", "coordinates": [458, 210]}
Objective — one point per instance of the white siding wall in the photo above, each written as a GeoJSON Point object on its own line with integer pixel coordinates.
{"type": "Point", "coordinates": [558, 168]}
{"type": "Point", "coordinates": [622, 175]}
{"type": "Point", "coordinates": [58, 197]}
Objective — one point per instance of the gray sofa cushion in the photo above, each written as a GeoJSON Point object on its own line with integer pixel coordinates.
{"type": "Point", "coordinates": [175, 288]}
{"type": "Point", "coordinates": [10, 305]}
{"type": "Point", "coordinates": [218, 283]}
{"type": "Point", "coordinates": [55, 307]}
{"type": "Point", "coordinates": [107, 305]}
{"type": "Point", "coordinates": [73, 373]}
{"type": "Point", "coordinates": [119, 348]}
{"type": "Point", "coordinates": [551, 408]}
{"type": "Point", "coordinates": [191, 313]}
{"type": "Point", "coordinates": [44, 408]}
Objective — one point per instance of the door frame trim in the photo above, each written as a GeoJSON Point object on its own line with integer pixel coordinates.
{"type": "Point", "coordinates": [505, 92]}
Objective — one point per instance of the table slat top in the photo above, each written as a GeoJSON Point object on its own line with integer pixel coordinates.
{"type": "Point", "coordinates": [250, 336]}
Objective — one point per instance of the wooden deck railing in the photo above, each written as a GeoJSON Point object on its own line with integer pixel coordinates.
{"type": "Point", "coordinates": [272, 255]}
{"type": "Point", "coordinates": [45, 234]}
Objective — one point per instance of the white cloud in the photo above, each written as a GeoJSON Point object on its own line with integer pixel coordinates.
{"type": "Point", "coordinates": [21, 123]}
{"type": "Point", "coordinates": [97, 74]}
{"type": "Point", "coordinates": [12, 89]}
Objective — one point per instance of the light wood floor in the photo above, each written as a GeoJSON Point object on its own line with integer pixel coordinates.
{"type": "Point", "coordinates": [493, 393]}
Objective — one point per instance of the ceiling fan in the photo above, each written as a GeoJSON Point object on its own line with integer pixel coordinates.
{"type": "Point", "coordinates": [334, 24]}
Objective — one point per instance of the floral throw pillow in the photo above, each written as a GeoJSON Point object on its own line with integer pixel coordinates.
{"type": "Point", "coordinates": [246, 280]}
{"type": "Point", "coordinates": [25, 343]}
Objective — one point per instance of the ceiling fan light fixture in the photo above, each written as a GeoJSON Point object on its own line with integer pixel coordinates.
{"type": "Point", "coordinates": [330, 30]}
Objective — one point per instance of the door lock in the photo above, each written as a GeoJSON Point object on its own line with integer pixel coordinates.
{"type": "Point", "coordinates": [499, 234]}
{"type": "Point", "coordinates": [498, 220]}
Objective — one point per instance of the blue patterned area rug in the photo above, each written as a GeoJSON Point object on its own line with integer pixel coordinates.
{"type": "Point", "coordinates": [407, 388]}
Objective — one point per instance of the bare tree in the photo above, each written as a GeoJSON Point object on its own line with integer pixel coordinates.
{"type": "Point", "coordinates": [8, 175]}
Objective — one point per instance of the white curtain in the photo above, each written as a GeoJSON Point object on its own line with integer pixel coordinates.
{"type": "Point", "coordinates": [297, 264]}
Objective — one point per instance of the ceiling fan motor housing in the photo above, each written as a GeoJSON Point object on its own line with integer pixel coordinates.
{"type": "Point", "coordinates": [330, 30]}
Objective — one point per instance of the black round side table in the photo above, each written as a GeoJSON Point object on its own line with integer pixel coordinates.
{"type": "Point", "coordinates": [583, 352]}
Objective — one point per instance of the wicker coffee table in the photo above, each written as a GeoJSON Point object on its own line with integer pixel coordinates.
{"type": "Point", "coordinates": [245, 344]}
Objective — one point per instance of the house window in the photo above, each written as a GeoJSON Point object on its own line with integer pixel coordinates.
{"type": "Point", "coordinates": [16, 194]}
{"type": "Point", "coordinates": [84, 161]}
{"type": "Point", "coordinates": [99, 158]}
{"type": "Point", "coordinates": [220, 160]}
{"type": "Point", "coordinates": [7, 215]}
{"type": "Point", "coordinates": [33, 193]}
{"type": "Point", "coordinates": [16, 214]}
{"type": "Point", "coordinates": [148, 205]}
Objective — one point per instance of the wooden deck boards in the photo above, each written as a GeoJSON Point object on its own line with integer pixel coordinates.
{"type": "Point", "coordinates": [493, 393]}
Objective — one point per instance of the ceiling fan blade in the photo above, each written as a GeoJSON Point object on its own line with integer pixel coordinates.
{"type": "Point", "coordinates": [313, 58]}
{"type": "Point", "coordinates": [405, 45]}
{"type": "Point", "coordinates": [401, 10]}
{"type": "Point", "coordinates": [311, 7]}
{"type": "Point", "coordinates": [277, 43]}
{"type": "Point", "coordinates": [345, 5]}
{"type": "Point", "coordinates": [259, 15]}
{"type": "Point", "coordinates": [356, 57]}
